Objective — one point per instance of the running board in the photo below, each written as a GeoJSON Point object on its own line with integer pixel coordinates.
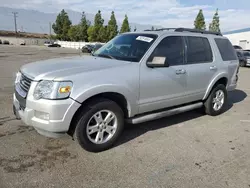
{"type": "Point", "coordinates": [158, 115]}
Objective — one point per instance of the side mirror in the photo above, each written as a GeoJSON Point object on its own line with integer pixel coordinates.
{"type": "Point", "coordinates": [152, 65]}
{"type": "Point", "coordinates": [157, 62]}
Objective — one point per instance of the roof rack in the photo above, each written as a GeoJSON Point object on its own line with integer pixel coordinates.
{"type": "Point", "coordinates": [163, 29]}
{"type": "Point", "coordinates": [188, 30]}
{"type": "Point", "coordinates": [197, 31]}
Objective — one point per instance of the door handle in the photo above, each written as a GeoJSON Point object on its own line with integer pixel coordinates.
{"type": "Point", "coordinates": [181, 71]}
{"type": "Point", "coordinates": [213, 68]}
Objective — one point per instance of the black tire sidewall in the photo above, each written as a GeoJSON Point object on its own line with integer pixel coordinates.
{"type": "Point", "coordinates": [242, 63]}
{"type": "Point", "coordinates": [209, 102]}
{"type": "Point", "coordinates": [80, 131]}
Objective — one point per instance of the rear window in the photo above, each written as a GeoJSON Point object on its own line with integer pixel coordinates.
{"type": "Point", "coordinates": [198, 50]}
{"type": "Point", "coordinates": [226, 49]}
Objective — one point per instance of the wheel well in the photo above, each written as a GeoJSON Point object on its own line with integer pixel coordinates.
{"type": "Point", "coordinates": [116, 97]}
{"type": "Point", "coordinates": [221, 81]}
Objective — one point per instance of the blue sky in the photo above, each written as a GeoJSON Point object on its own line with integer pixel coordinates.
{"type": "Point", "coordinates": [234, 14]}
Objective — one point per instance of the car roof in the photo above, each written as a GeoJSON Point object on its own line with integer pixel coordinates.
{"type": "Point", "coordinates": [180, 31]}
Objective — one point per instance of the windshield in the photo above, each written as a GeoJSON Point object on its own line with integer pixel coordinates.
{"type": "Point", "coordinates": [127, 47]}
{"type": "Point", "coordinates": [246, 53]}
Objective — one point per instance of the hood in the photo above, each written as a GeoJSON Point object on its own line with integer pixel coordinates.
{"type": "Point", "coordinates": [67, 66]}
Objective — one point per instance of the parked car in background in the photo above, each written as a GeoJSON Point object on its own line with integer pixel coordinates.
{"type": "Point", "coordinates": [0, 41]}
{"type": "Point", "coordinates": [6, 42]}
{"type": "Point", "coordinates": [97, 47]}
{"type": "Point", "coordinates": [54, 45]}
{"type": "Point", "coordinates": [244, 57]}
{"type": "Point", "coordinates": [237, 47]}
{"type": "Point", "coordinates": [47, 43]}
{"type": "Point", "coordinates": [87, 48]}
{"type": "Point", "coordinates": [23, 43]}
{"type": "Point", "coordinates": [158, 73]}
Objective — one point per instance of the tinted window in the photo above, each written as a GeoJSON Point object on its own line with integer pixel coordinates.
{"type": "Point", "coordinates": [171, 50]}
{"type": "Point", "coordinates": [226, 49]}
{"type": "Point", "coordinates": [246, 53]}
{"type": "Point", "coordinates": [198, 50]}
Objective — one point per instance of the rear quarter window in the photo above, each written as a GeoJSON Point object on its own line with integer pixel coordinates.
{"type": "Point", "coordinates": [226, 49]}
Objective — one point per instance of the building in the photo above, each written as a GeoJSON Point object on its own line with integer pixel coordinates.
{"type": "Point", "coordinates": [239, 37]}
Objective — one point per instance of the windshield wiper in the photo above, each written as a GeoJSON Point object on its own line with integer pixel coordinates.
{"type": "Point", "coordinates": [105, 55]}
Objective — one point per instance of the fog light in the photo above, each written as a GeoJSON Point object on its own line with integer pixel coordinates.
{"type": "Point", "coordinates": [42, 115]}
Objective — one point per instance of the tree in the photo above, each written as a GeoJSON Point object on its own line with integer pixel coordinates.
{"type": "Point", "coordinates": [94, 32]}
{"type": "Point", "coordinates": [62, 25]}
{"type": "Point", "coordinates": [125, 25]}
{"type": "Point", "coordinates": [135, 29]}
{"type": "Point", "coordinates": [112, 28]}
{"type": "Point", "coordinates": [199, 22]}
{"type": "Point", "coordinates": [83, 28]}
{"type": "Point", "coordinates": [91, 34]}
{"type": "Point", "coordinates": [74, 33]}
{"type": "Point", "coordinates": [104, 34]}
{"type": "Point", "coordinates": [152, 28]}
{"type": "Point", "coordinates": [215, 25]}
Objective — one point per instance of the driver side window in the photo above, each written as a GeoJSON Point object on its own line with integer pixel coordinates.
{"type": "Point", "coordinates": [170, 50]}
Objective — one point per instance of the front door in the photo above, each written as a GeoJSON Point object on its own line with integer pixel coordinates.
{"type": "Point", "coordinates": [163, 87]}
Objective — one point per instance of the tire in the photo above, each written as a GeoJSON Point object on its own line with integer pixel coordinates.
{"type": "Point", "coordinates": [93, 112]}
{"type": "Point", "coordinates": [242, 63]}
{"type": "Point", "coordinates": [210, 109]}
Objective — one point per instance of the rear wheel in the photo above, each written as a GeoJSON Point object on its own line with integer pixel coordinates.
{"type": "Point", "coordinates": [217, 101]}
{"type": "Point", "coordinates": [99, 126]}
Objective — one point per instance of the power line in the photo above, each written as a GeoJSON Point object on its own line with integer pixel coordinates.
{"type": "Point", "coordinates": [15, 16]}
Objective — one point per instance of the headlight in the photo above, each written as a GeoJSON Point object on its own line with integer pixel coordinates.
{"type": "Point", "coordinates": [46, 89]}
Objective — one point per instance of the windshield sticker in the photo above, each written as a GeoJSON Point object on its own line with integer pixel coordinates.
{"type": "Point", "coordinates": [144, 39]}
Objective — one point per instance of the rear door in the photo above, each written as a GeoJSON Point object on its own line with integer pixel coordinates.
{"type": "Point", "coordinates": [229, 58]}
{"type": "Point", "coordinates": [200, 66]}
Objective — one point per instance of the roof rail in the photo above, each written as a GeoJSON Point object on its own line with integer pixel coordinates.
{"type": "Point", "coordinates": [188, 30]}
{"type": "Point", "coordinates": [163, 29]}
{"type": "Point", "coordinates": [198, 31]}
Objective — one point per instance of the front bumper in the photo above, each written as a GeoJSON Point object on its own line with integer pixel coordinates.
{"type": "Point", "coordinates": [59, 114]}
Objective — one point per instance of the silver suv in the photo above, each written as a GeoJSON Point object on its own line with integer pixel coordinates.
{"type": "Point", "coordinates": [135, 77]}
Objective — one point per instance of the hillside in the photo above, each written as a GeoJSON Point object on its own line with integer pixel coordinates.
{"type": "Point", "coordinates": [23, 34]}
{"type": "Point", "coordinates": [38, 22]}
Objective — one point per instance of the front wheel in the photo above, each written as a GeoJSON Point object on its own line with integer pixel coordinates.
{"type": "Point", "coordinates": [217, 101]}
{"type": "Point", "coordinates": [99, 126]}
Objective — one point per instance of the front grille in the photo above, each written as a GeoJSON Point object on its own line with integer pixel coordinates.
{"type": "Point", "coordinates": [25, 83]}
{"type": "Point", "coordinates": [21, 100]}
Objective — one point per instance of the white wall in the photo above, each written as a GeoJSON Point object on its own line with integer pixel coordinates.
{"type": "Point", "coordinates": [237, 37]}
{"type": "Point", "coordinates": [76, 45]}
{"type": "Point", "coordinates": [19, 40]}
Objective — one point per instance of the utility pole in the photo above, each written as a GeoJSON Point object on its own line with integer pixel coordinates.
{"type": "Point", "coordinates": [50, 31]}
{"type": "Point", "coordinates": [15, 16]}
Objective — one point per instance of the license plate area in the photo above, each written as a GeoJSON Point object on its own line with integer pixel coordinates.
{"type": "Point", "coordinates": [20, 91]}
